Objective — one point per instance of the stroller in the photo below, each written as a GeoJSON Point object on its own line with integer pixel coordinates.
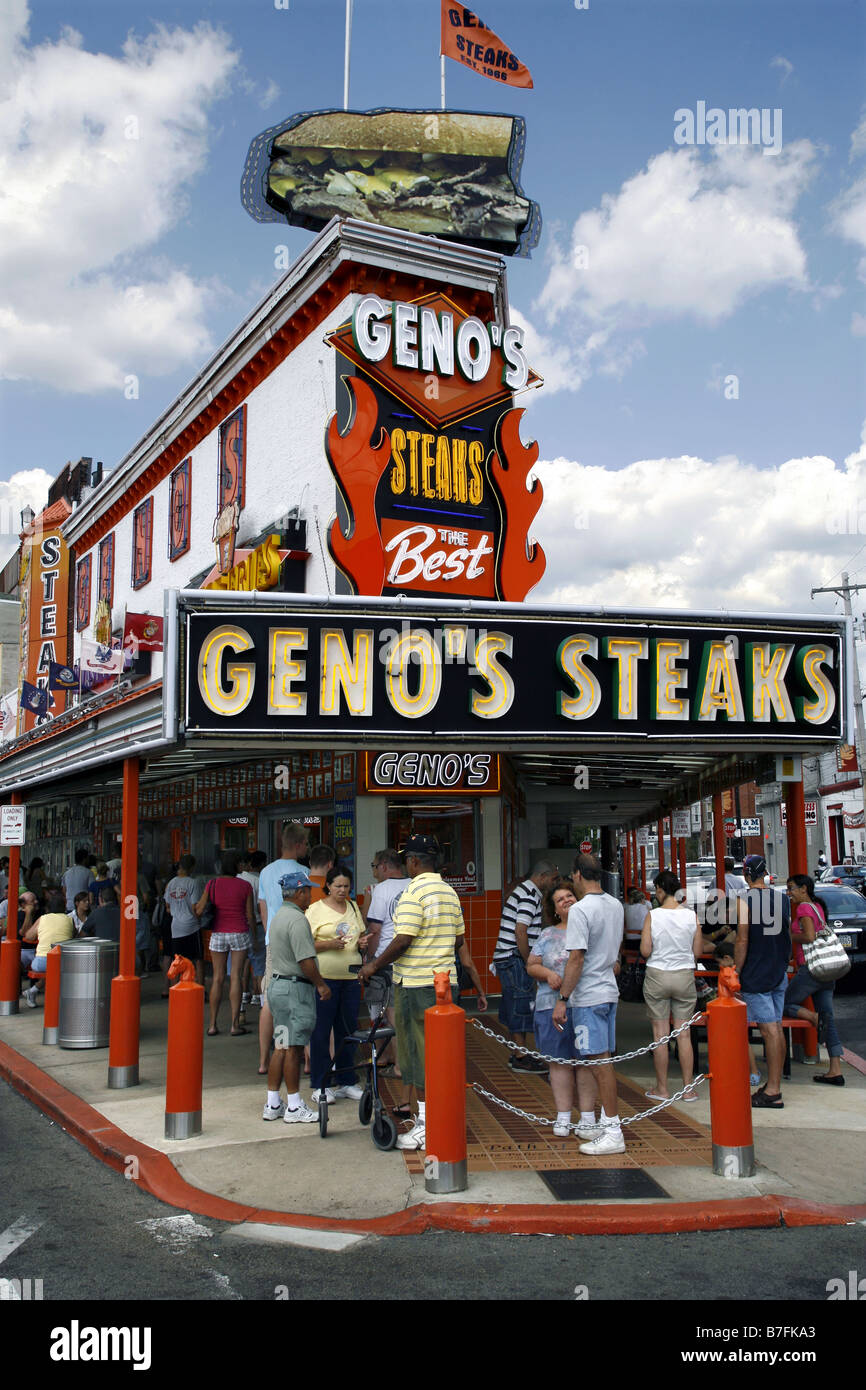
{"type": "Point", "coordinates": [383, 1130]}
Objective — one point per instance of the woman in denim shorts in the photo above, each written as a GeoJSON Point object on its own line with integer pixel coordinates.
{"type": "Point", "coordinates": [232, 900]}
{"type": "Point", "coordinates": [546, 964]}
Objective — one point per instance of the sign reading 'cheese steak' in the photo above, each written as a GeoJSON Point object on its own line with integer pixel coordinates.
{"type": "Point", "coordinates": [306, 672]}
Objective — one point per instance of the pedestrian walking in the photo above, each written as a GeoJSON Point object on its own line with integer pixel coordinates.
{"type": "Point", "coordinates": [232, 902]}
{"type": "Point", "coordinates": [339, 937]}
{"type": "Point", "coordinates": [294, 982]}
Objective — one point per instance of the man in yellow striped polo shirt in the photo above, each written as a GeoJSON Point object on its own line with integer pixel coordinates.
{"type": "Point", "coordinates": [428, 925]}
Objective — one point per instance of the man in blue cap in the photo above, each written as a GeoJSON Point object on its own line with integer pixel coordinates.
{"type": "Point", "coordinates": [292, 986]}
{"type": "Point", "coordinates": [761, 954]}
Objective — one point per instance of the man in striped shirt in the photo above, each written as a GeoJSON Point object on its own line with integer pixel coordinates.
{"type": "Point", "coordinates": [519, 926]}
{"type": "Point", "coordinates": [428, 928]}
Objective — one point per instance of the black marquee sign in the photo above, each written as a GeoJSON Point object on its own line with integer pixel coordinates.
{"type": "Point", "coordinates": [495, 673]}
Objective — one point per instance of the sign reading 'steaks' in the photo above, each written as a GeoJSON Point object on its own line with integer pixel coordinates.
{"type": "Point", "coordinates": [450, 174]}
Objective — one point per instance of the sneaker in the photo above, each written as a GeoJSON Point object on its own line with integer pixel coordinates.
{"type": "Point", "coordinates": [562, 1130]}
{"type": "Point", "coordinates": [303, 1115]}
{"type": "Point", "coordinates": [245, 998]}
{"type": "Point", "coordinates": [352, 1092]}
{"type": "Point", "coordinates": [330, 1096]}
{"type": "Point", "coordinates": [30, 997]}
{"type": "Point", "coordinates": [536, 1064]}
{"type": "Point", "coordinates": [522, 1063]}
{"type": "Point", "coordinates": [273, 1112]}
{"type": "Point", "coordinates": [589, 1131]}
{"type": "Point", "coordinates": [611, 1141]}
{"type": "Point", "coordinates": [415, 1139]}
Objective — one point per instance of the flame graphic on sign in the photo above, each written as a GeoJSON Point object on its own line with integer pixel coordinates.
{"type": "Point", "coordinates": [357, 465]}
{"type": "Point", "coordinates": [521, 563]}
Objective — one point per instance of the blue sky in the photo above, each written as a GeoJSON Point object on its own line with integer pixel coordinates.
{"type": "Point", "coordinates": [703, 262]}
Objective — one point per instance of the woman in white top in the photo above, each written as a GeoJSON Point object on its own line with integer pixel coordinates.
{"type": "Point", "coordinates": [670, 942]}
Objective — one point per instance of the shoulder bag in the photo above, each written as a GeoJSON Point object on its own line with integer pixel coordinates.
{"type": "Point", "coordinates": [826, 958]}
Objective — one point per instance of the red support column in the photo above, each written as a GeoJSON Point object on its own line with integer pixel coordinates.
{"type": "Point", "coordinates": [795, 808]}
{"type": "Point", "coordinates": [626, 864]}
{"type": "Point", "coordinates": [126, 987]}
{"type": "Point", "coordinates": [682, 873]}
{"type": "Point", "coordinates": [719, 841]}
{"type": "Point", "coordinates": [642, 884]}
{"type": "Point", "coordinates": [661, 839]}
{"type": "Point", "coordinates": [10, 949]}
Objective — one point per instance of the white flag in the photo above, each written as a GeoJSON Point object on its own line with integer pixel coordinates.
{"type": "Point", "coordinates": [99, 660]}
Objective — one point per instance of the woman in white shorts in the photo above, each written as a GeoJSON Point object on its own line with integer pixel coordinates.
{"type": "Point", "coordinates": [670, 943]}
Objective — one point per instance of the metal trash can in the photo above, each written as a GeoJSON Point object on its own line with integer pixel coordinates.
{"type": "Point", "coordinates": [87, 967]}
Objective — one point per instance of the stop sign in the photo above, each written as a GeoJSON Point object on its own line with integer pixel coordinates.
{"type": "Point", "coordinates": [586, 846]}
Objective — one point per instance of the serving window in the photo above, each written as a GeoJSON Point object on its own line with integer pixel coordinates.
{"type": "Point", "coordinates": [457, 827]}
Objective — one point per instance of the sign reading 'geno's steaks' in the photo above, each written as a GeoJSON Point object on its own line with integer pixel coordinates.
{"type": "Point", "coordinates": [310, 671]}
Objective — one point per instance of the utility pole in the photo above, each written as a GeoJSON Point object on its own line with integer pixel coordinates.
{"type": "Point", "coordinates": [845, 590]}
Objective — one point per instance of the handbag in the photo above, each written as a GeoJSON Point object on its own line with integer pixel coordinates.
{"type": "Point", "coordinates": [826, 958]}
{"type": "Point", "coordinates": [631, 982]}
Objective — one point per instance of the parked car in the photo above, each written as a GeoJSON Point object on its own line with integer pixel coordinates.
{"type": "Point", "coordinates": [851, 875]}
{"type": "Point", "coordinates": [846, 914]}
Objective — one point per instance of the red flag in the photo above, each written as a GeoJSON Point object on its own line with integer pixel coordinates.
{"type": "Point", "coordinates": [142, 632]}
{"type": "Point", "coordinates": [468, 41]}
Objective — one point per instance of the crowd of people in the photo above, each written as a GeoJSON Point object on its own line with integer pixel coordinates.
{"type": "Point", "coordinates": [290, 936]}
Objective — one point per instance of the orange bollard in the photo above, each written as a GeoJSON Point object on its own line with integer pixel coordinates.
{"type": "Point", "coordinates": [445, 1089]}
{"type": "Point", "coordinates": [730, 1094]}
{"type": "Point", "coordinates": [51, 1015]}
{"type": "Point", "coordinates": [810, 1037]}
{"type": "Point", "coordinates": [185, 1052]}
{"type": "Point", "coordinates": [10, 976]}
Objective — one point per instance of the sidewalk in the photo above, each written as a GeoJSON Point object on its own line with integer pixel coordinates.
{"type": "Point", "coordinates": [809, 1155]}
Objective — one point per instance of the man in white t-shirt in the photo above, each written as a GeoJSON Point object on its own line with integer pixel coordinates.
{"type": "Point", "coordinates": [391, 879]}
{"type": "Point", "coordinates": [593, 938]}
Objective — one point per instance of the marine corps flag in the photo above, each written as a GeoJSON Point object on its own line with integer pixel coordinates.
{"type": "Point", "coordinates": [468, 41]}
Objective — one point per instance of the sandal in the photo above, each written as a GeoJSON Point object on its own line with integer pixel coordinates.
{"type": "Point", "coordinates": [403, 1112]}
{"type": "Point", "coordinates": [762, 1101]}
{"type": "Point", "coordinates": [213, 1032]}
{"type": "Point", "coordinates": [829, 1080]}
{"type": "Point", "coordinates": [238, 1032]}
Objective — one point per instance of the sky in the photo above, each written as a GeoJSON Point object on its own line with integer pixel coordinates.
{"type": "Point", "coordinates": [696, 309]}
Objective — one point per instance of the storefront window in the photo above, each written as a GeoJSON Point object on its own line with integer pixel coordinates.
{"type": "Point", "coordinates": [455, 824]}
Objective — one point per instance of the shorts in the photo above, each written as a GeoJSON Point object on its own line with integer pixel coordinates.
{"type": "Point", "coordinates": [410, 1005]}
{"type": "Point", "coordinates": [551, 1041]}
{"type": "Point", "coordinates": [379, 991]}
{"type": "Point", "coordinates": [669, 992]}
{"type": "Point", "coordinates": [188, 946]}
{"type": "Point", "coordinates": [230, 941]}
{"type": "Point", "coordinates": [293, 1006]}
{"type": "Point", "coordinates": [517, 1005]}
{"type": "Point", "coordinates": [594, 1029]}
{"type": "Point", "coordinates": [766, 1008]}
{"type": "Point", "coordinates": [258, 958]}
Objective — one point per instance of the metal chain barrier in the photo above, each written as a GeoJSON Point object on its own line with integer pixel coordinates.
{"type": "Point", "coordinates": [630, 1120]}
{"type": "Point", "coordinates": [587, 1061]}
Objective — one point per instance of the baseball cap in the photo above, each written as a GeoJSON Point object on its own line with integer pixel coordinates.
{"type": "Point", "coordinates": [754, 866]}
{"type": "Point", "coordinates": [421, 844]}
{"type": "Point", "coordinates": [290, 883]}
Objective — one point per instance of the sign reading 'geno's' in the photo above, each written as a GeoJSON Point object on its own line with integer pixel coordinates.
{"type": "Point", "coordinates": [355, 673]}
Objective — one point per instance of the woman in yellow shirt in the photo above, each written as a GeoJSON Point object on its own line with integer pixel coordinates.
{"type": "Point", "coordinates": [339, 937]}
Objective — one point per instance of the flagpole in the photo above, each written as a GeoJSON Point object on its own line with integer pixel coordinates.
{"type": "Point", "coordinates": [348, 50]}
{"type": "Point", "coordinates": [442, 77]}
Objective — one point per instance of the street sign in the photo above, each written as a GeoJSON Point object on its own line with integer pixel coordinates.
{"type": "Point", "coordinates": [811, 808]}
{"type": "Point", "coordinates": [586, 846]}
{"type": "Point", "coordinates": [750, 825]}
{"type": "Point", "coordinates": [730, 827]}
{"type": "Point", "coordinates": [682, 824]}
{"type": "Point", "coordinates": [13, 822]}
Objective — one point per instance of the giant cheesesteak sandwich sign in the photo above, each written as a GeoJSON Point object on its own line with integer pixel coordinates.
{"type": "Point", "coordinates": [431, 472]}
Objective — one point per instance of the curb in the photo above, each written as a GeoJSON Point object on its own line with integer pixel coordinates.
{"type": "Point", "coordinates": [158, 1176]}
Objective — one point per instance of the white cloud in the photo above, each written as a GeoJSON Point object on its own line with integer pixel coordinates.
{"type": "Point", "coordinates": [858, 139]}
{"type": "Point", "coordinates": [96, 156]}
{"type": "Point", "coordinates": [849, 218]}
{"type": "Point", "coordinates": [28, 488]}
{"type": "Point", "coordinates": [688, 533]}
{"type": "Point", "coordinates": [688, 235]}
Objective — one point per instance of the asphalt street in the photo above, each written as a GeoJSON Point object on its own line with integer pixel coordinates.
{"type": "Point", "coordinates": [89, 1234]}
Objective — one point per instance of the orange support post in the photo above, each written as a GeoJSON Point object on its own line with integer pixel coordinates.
{"type": "Point", "coordinates": [10, 949]}
{"type": "Point", "coordinates": [51, 1015]}
{"type": "Point", "coordinates": [730, 1095]}
{"type": "Point", "coordinates": [642, 884]}
{"type": "Point", "coordinates": [635, 868]}
{"type": "Point", "coordinates": [126, 987]}
{"type": "Point", "coordinates": [795, 810]}
{"type": "Point", "coordinates": [626, 865]}
{"type": "Point", "coordinates": [445, 1091]}
{"type": "Point", "coordinates": [183, 1073]}
{"type": "Point", "coordinates": [661, 839]}
{"type": "Point", "coordinates": [719, 841]}
{"type": "Point", "coordinates": [682, 873]}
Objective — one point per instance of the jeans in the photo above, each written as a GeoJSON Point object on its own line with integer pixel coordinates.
{"type": "Point", "coordinates": [801, 986]}
{"type": "Point", "coordinates": [517, 1005]}
{"type": "Point", "coordinates": [340, 1012]}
